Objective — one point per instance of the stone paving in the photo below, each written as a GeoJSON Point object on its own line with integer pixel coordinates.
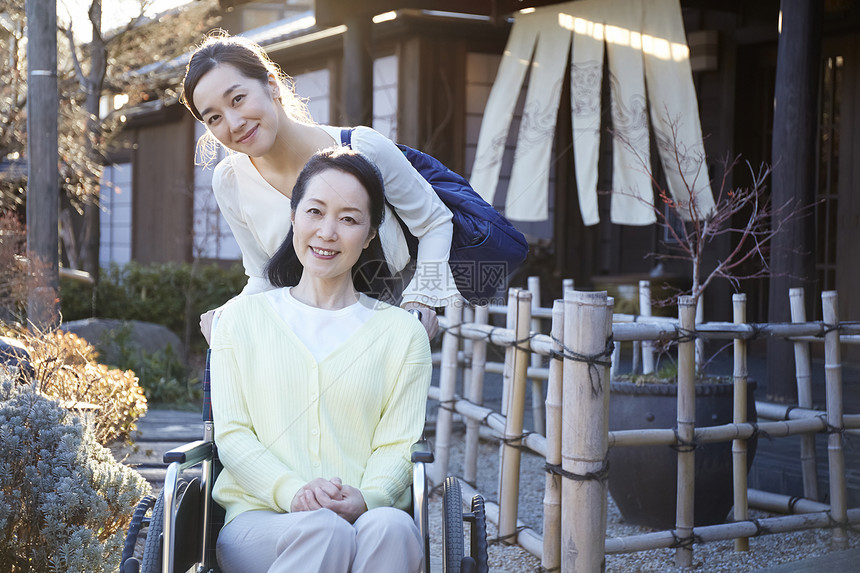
{"type": "Point", "coordinates": [157, 432]}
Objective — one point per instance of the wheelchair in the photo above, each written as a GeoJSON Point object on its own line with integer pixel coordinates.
{"type": "Point", "coordinates": [182, 524]}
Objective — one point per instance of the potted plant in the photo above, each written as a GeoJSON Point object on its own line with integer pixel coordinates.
{"type": "Point", "coordinates": [643, 479]}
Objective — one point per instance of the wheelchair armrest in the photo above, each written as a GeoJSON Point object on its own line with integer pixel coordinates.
{"type": "Point", "coordinates": [190, 454]}
{"type": "Point", "coordinates": [421, 452]}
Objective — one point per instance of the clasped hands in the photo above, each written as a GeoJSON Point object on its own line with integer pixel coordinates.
{"type": "Point", "coordinates": [344, 500]}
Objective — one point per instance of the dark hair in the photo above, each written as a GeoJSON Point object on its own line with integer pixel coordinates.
{"type": "Point", "coordinates": [370, 273]}
{"type": "Point", "coordinates": [252, 62]}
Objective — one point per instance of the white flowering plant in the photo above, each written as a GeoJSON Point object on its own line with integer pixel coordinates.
{"type": "Point", "coordinates": [64, 500]}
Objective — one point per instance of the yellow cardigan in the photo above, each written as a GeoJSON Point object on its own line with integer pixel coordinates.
{"type": "Point", "coordinates": [282, 419]}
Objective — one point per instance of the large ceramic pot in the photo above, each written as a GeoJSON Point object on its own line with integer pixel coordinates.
{"type": "Point", "coordinates": [643, 479]}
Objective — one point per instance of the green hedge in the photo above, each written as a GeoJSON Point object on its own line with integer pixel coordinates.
{"type": "Point", "coordinates": [171, 294]}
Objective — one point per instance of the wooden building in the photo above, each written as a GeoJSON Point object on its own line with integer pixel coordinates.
{"type": "Point", "coordinates": [421, 72]}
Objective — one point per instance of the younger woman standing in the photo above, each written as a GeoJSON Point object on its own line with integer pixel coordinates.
{"type": "Point", "coordinates": [239, 94]}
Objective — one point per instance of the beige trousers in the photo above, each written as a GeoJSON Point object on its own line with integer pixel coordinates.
{"type": "Point", "coordinates": [382, 540]}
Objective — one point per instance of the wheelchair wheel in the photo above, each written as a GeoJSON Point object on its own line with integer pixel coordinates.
{"type": "Point", "coordinates": [151, 562]}
{"type": "Point", "coordinates": [478, 538]}
{"type": "Point", "coordinates": [129, 562]}
{"type": "Point", "coordinates": [187, 529]}
{"type": "Point", "coordinates": [452, 526]}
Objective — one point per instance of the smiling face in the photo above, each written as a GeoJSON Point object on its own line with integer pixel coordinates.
{"type": "Point", "coordinates": [242, 113]}
{"type": "Point", "coordinates": [332, 225]}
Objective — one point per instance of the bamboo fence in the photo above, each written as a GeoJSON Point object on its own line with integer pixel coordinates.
{"type": "Point", "coordinates": [740, 511]}
{"type": "Point", "coordinates": [803, 375]}
{"type": "Point", "coordinates": [579, 345]}
{"type": "Point", "coordinates": [538, 421]}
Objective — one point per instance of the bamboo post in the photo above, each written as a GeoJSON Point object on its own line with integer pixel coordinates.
{"type": "Point", "coordinates": [833, 384]}
{"type": "Point", "coordinates": [468, 318]}
{"type": "Point", "coordinates": [684, 512]}
{"type": "Point", "coordinates": [803, 369]}
{"type": "Point", "coordinates": [616, 360]}
{"type": "Point", "coordinates": [585, 413]}
{"type": "Point", "coordinates": [476, 396]}
{"type": "Point", "coordinates": [566, 285]}
{"type": "Point", "coordinates": [739, 446]}
{"type": "Point", "coordinates": [645, 310]}
{"type": "Point", "coordinates": [507, 373]}
{"type": "Point", "coordinates": [637, 356]}
{"type": "Point", "coordinates": [516, 362]}
{"type": "Point", "coordinates": [551, 556]}
{"type": "Point", "coordinates": [700, 342]}
{"type": "Point", "coordinates": [538, 424]}
{"type": "Point", "coordinates": [447, 383]}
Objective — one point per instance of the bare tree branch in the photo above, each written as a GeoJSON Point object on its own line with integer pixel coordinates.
{"type": "Point", "coordinates": [73, 51]}
{"type": "Point", "coordinates": [690, 241]}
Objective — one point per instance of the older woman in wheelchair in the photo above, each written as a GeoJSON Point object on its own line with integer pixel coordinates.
{"type": "Point", "coordinates": [318, 396]}
{"type": "Point", "coordinates": [318, 393]}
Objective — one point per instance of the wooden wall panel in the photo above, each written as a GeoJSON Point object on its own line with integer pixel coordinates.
{"type": "Point", "coordinates": [163, 179]}
{"type": "Point", "coordinates": [848, 218]}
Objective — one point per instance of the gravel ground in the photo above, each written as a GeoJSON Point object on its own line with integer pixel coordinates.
{"type": "Point", "coordinates": [765, 551]}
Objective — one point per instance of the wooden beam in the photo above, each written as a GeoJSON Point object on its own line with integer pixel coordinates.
{"type": "Point", "coordinates": [357, 87]}
{"type": "Point", "coordinates": [795, 117]}
{"type": "Point", "coordinates": [336, 12]}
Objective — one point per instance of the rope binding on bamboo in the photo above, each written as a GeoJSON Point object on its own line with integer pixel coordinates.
{"type": "Point", "coordinates": [508, 537]}
{"type": "Point", "coordinates": [839, 523]}
{"type": "Point", "coordinates": [830, 428]}
{"type": "Point", "coordinates": [760, 529]}
{"type": "Point", "coordinates": [685, 335]}
{"type": "Point", "coordinates": [682, 445]}
{"type": "Point", "coordinates": [523, 344]}
{"type": "Point", "coordinates": [827, 329]}
{"type": "Point", "coordinates": [593, 360]}
{"type": "Point", "coordinates": [449, 404]}
{"type": "Point", "coordinates": [685, 542]}
{"type": "Point", "coordinates": [600, 475]}
{"type": "Point", "coordinates": [792, 501]}
{"type": "Point", "coordinates": [489, 335]}
{"type": "Point", "coordinates": [516, 441]}
{"type": "Point", "coordinates": [758, 432]}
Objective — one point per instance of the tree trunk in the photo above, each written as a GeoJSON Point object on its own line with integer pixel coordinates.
{"type": "Point", "coordinates": [90, 230]}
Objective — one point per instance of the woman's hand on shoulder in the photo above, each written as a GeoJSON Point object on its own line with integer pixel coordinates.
{"type": "Point", "coordinates": [206, 325]}
{"type": "Point", "coordinates": [428, 317]}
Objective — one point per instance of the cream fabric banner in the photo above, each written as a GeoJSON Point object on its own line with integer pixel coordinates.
{"type": "Point", "coordinates": [674, 113]}
{"type": "Point", "coordinates": [499, 112]}
{"type": "Point", "coordinates": [644, 39]}
{"type": "Point", "coordinates": [528, 191]}
{"type": "Point", "coordinates": [631, 194]}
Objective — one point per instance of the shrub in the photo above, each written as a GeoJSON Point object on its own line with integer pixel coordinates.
{"type": "Point", "coordinates": [64, 501]}
{"type": "Point", "coordinates": [66, 369]}
{"type": "Point", "coordinates": [20, 278]}
{"type": "Point", "coordinates": [162, 374]}
{"type": "Point", "coordinates": [13, 272]}
{"type": "Point", "coordinates": [171, 294]}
